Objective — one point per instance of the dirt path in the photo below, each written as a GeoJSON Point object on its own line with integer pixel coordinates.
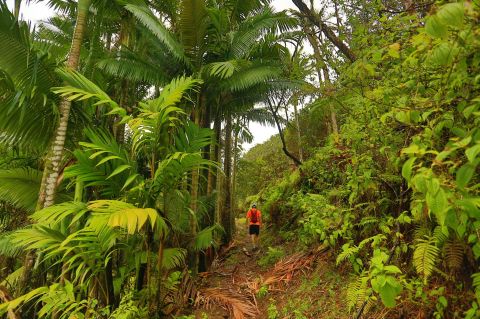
{"type": "Point", "coordinates": [234, 275]}
{"type": "Point", "coordinates": [237, 287]}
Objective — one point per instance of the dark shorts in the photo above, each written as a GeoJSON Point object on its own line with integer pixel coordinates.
{"type": "Point", "coordinates": [254, 229]}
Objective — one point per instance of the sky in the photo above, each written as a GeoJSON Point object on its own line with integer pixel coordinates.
{"type": "Point", "coordinates": [35, 12]}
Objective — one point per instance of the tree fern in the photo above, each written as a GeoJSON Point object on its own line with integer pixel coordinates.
{"type": "Point", "coordinates": [425, 257]}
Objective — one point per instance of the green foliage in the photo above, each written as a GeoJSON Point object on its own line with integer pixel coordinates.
{"type": "Point", "coordinates": [272, 255]}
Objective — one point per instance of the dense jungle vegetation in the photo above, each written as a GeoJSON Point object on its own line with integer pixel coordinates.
{"type": "Point", "coordinates": [122, 169]}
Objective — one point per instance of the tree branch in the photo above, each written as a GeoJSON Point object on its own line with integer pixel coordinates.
{"type": "Point", "coordinates": [327, 31]}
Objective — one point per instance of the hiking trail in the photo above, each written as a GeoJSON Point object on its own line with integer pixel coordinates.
{"type": "Point", "coordinates": [237, 287]}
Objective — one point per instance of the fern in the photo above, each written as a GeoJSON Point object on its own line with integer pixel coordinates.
{"type": "Point", "coordinates": [357, 292]}
{"type": "Point", "coordinates": [454, 252]}
{"type": "Point", "coordinates": [425, 257]}
{"type": "Point", "coordinates": [347, 253]}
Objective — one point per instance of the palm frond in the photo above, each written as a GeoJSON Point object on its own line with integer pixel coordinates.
{"type": "Point", "coordinates": [57, 214]}
{"type": "Point", "coordinates": [252, 76]}
{"type": "Point", "coordinates": [193, 26]}
{"type": "Point", "coordinates": [7, 248]}
{"type": "Point", "coordinates": [133, 68]}
{"type": "Point", "coordinates": [222, 70]}
{"type": "Point", "coordinates": [173, 258]}
{"type": "Point", "coordinates": [152, 23]}
{"type": "Point", "coordinates": [81, 88]}
{"type": "Point", "coordinates": [127, 216]}
{"type": "Point", "coordinates": [105, 163]}
{"type": "Point", "coordinates": [27, 106]}
{"type": "Point", "coordinates": [13, 278]}
{"type": "Point", "coordinates": [253, 27]}
{"type": "Point", "coordinates": [238, 306]}
{"type": "Point", "coordinates": [172, 93]}
{"type": "Point", "coordinates": [15, 303]}
{"type": "Point", "coordinates": [20, 187]}
{"type": "Point", "coordinates": [191, 138]}
{"type": "Point", "coordinates": [206, 237]}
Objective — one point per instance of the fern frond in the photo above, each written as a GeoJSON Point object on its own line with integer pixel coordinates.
{"type": "Point", "coordinates": [425, 257]}
{"type": "Point", "coordinates": [454, 252]}
{"type": "Point", "coordinates": [347, 253]}
{"type": "Point", "coordinates": [357, 292]}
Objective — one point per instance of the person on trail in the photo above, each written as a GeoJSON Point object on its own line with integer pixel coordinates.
{"type": "Point", "coordinates": [254, 219]}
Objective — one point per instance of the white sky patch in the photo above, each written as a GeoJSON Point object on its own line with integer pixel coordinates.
{"type": "Point", "coordinates": [39, 11]}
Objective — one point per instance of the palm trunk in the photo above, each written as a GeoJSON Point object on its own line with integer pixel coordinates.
{"type": "Point", "coordinates": [214, 155]}
{"type": "Point", "coordinates": [234, 170]}
{"type": "Point", "coordinates": [226, 213]}
{"type": "Point", "coordinates": [53, 162]}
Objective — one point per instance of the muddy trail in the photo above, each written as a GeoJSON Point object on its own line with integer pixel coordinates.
{"type": "Point", "coordinates": [299, 285]}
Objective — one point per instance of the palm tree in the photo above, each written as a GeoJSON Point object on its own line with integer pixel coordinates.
{"type": "Point", "coordinates": [52, 167]}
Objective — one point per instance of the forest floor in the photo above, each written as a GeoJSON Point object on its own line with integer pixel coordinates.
{"type": "Point", "coordinates": [274, 281]}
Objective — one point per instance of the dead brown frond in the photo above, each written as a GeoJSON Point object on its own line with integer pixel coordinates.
{"type": "Point", "coordinates": [238, 305]}
{"type": "Point", "coordinates": [181, 296]}
{"type": "Point", "coordinates": [286, 268]}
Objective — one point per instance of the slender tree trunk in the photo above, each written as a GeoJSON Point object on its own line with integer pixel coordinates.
{"type": "Point", "coordinates": [226, 213]}
{"type": "Point", "coordinates": [215, 155]}
{"type": "Point", "coordinates": [295, 160]}
{"type": "Point", "coordinates": [299, 134]}
{"type": "Point", "coordinates": [234, 170]}
{"type": "Point", "coordinates": [53, 162]}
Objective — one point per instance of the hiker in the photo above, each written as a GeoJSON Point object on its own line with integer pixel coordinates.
{"type": "Point", "coordinates": [254, 219]}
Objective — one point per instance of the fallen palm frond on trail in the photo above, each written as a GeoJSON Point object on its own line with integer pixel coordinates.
{"type": "Point", "coordinates": [286, 268]}
{"type": "Point", "coordinates": [237, 305]}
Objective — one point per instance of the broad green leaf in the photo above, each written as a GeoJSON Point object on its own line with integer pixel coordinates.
{"type": "Point", "coordinates": [443, 54]}
{"type": "Point", "coordinates": [452, 14]}
{"type": "Point", "coordinates": [464, 174]}
{"type": "Point", "coordinates": [435, 27]}
{"type": "Point", "coordinates": [407, 168]}
{"type": "Point", "coordinates": [472, 152]}
{"type": "Point", "coordinates": [438, 204]}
